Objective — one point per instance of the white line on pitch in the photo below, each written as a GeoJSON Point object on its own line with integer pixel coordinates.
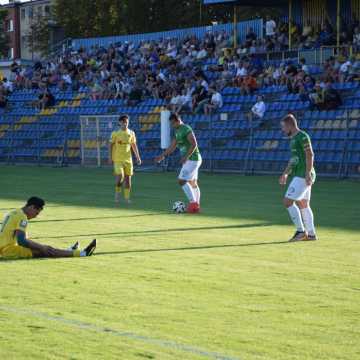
{"type": "Point", "coordinates": [125, 334]}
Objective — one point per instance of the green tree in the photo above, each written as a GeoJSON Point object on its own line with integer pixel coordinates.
{"type": "Point", "coordinates": [39, 35]}
{"type": "Point", "coordinates": [4, 38]}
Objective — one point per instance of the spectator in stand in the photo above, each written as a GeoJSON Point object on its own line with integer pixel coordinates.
{"type": "Point", "coordinates": [215, 103]}
{"type": "Point", "coordinates": [332, 99]}
{"type": "Point", "coordinates": [258, 110]}
{"type": "Point", "coordinates": [270, 27]}
{"type": "Point", "coordinates": [248, 85]}
{"type": "Point", "coordinates": [7, 85]}
{"type": "Point", "coordinates": [356, 39]}
{"type": "Point", "coordinates": [303, 66]}
{"type": "Point", "coordinates": [345, 69]}
{"type": "Point", "coordinates": [46, 100]}
{"type": "Point", "coordinates": [250, 37]}
{"type": "Point", "coordinates": [316, 97]}
{"type": "Point", "coordinates": [3, 99]}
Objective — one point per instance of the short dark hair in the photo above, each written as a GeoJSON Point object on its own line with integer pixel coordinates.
{"type": "Point", "coordinates": [37, 202]}
{"type": "Point", "coordinates": [290, 119]}
{"type": "Point", "coordinates": [174, 117]}
{"type": "Point", "coordinates": [124, 117]}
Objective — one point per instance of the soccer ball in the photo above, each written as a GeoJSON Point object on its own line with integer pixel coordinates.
{"type": "Point", "coordinates": [179, 207]}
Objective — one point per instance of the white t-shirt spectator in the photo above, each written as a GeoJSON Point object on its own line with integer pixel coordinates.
{"type": "Point", "coordinates": [259, 109]}
{"type": "Point", "coordinates": [344, 68]}
{"type": "Point", "coordinates": [67, 79]}
{"type": "Point", "coordinates": [241, 71]}
{"type": "Point", "coordinates": [270, 27]}
{"type": "Point", "coordinates": [176, 100]}
{"type": "Point", "coordinates": [201, 54]}
{"type": "Point", "coordinates": [217, 100]}
{"type": "Point", "coordinates": [305, 69]}
{"type": "Point", "coordinates": [8, 85]}
{"type": "Point", "coordinates": [205, 85]}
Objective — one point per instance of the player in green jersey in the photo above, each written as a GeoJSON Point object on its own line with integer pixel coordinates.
{"type": "Point", "coordinates": [301, 168]}
{"type": "Point", "coordinates": [191, 160]}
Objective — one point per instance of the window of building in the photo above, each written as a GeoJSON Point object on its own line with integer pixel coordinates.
{"type": "Point", "coordinates": [23, 14]}
{"type": "Point", "coordinates": [47, 9]}
{"type": "Point", "coordinates": [30, 12]}
{"type": "Point", "coordinates": [9, 25]}
{"type": "Point", "coordinates": [11, 53]}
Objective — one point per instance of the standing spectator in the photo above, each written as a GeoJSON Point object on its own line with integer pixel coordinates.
{"type": "Point", "coordinates": [270, 27]}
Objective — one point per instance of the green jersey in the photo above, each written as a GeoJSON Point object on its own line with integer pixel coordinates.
{"type": "Point", "coordinates": [181, 134]}
{"type": "Point", "coordinates": [299, 144]}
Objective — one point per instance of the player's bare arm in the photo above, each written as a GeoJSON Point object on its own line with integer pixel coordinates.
{"type": "Point", "coordinates": [135, 150]}
{"type": "Point", "coordinates": [192, 139]}
{"type": "Point", "coordinates": [111, 145]}
{"type": "Point", "coordinates": [309, 153]}
{"type": "Point", "coordinates": [167, 152]}
{"type": "Point", "coordinates": [284, 176]}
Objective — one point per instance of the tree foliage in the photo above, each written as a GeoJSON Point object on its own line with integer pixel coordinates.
{"type": "Point", "coordinates": [39, 36]}
{"type": "Point", "coordinates": [91, 18]}
{"type": "Point", "coordinates": [4, 38]}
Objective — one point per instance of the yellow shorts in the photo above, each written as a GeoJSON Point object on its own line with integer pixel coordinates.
{"type": "Point", "coordinates": [123, 168]}
{"type": "Point", "coordinates": [15, 252]}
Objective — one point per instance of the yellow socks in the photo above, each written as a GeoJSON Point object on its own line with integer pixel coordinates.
{"type": "Point", "coordinates": [126, 193]}
{"type": "Point", "coordinates": [117, 189]}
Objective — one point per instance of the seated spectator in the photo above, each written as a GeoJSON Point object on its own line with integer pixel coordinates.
{"type": "Point", "coordinates": [7, 86]}
{"type": "Point", "coordinates": [332, 99]}
{"type": "Point", "coordinates": [135, 96]}
{"type": "Point", "coordinates": [216, 102]}
{"type": "Point", "coordinates": [3, 100]}
{"type": "Point", "coordinates": [248, 85]}
{"type": "Point", "coordinates": [316, 97]}
{"type": "Point", "coordinates": [303, 66]}
{"type": "Point", "coordinates": [345, 69]}
{"type": "Point", "coordinates": [46, 100]}
{"type": "Point", "coordinates": [259, 108]}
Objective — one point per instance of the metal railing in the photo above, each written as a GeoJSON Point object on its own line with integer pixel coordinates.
{"type": "Point", "coordinates": [234, 145]}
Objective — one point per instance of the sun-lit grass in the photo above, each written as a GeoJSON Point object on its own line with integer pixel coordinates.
{"type": "Point", "coordinates": [224, 281]}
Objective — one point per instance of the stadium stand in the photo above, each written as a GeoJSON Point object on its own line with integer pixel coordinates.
{"type": "Point", "coordinates": [95, 80]}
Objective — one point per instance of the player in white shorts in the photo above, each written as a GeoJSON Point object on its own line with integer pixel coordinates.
{"type": "Point", "coordinates": [191, 161]}
{"type": "Point", "coordinates": [301, 167]}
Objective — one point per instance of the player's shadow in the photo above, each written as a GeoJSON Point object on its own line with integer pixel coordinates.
{"type": "Point", "coordinates": [100, 218]}
{"type": "Point", "coordinates": [205, 247]}
{"type": "Point", "coordinates": [158, 231]}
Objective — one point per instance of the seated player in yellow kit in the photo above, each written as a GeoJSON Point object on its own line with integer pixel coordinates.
{"type": "Point", "coordinates": [14, 243]}
{"type": "Point", "coordinates": [122, 144]}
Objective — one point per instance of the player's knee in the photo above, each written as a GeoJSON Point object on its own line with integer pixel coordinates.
{"type": "Point", "coordinates": [288, 202]}
{"type": "Point", "coordinates": [193, 183]}
{"type": "Point", "coordinates": [182, 182]}
{"type": "Point", "coordinates": [127, 181]}
{"type": "Point", "coordinates": [302, 204]}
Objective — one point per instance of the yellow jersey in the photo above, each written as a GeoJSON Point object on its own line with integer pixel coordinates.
{"type": "Point", "coordinates": [15, 220]}
{"type": "Point", "coordinates": [122, 141]}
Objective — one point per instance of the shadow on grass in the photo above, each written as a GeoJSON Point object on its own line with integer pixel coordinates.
{"type": "Point", "coordinates": [159, 231]}
{"type": "Point", "coordinates": [100, 218]}
{"type": "Point", "coordinates": [189, 248]}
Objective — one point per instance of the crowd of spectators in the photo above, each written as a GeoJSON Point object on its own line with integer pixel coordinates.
{"type": "Point", "coordinates": [177, 70]}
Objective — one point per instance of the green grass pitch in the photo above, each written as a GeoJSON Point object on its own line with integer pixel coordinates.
{"type": "Point", "coordinates": [223, 284]}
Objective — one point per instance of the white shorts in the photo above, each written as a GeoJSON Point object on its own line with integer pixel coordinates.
{"type": "Point", "coordinates": [298, 189]}
{"type": "Point", "coordinates": [190, 170]}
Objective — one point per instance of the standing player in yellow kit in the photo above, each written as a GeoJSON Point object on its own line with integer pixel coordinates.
{"type": "Point", "coordinates": [122, 144]}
